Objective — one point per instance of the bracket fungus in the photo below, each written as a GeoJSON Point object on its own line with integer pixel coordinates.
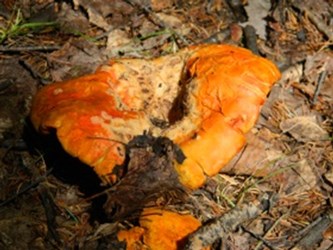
{"type": "Point", "coordinates": [203, 98]}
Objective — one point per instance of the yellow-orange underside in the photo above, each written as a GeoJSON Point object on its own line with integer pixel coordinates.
{"type": "Point", "coordinates": [96, 115]}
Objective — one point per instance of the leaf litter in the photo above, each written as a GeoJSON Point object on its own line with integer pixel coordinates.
{"type": "Point", "coordinates": [289, 152]}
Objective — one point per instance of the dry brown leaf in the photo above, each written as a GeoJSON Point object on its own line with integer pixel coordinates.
{"type": "Point", "coordinates": [71, 60]}
{"type": "Point", "coordinates": [256, 159]}
{"type": "Point", "coordinates": [304, 177]}
{"type": "Point", "coordinates": [98, 10]}
{"type": "Point", "coordinates": [71, 21]}
{"type": "Point", "coordinates": [317, 63]}
{"type": "Point", "coordinates": [97, 19]}
{"type": "Point", "coordinates": [257, 10]}
{"type": "Point", "coordinates": [158, 5]}
{"type": "Point", "coordinates": [116, 40]}
{"type": "Point", "coordinates": [174, 23]}
{"type": "Point", "coordinates": [304, 129]}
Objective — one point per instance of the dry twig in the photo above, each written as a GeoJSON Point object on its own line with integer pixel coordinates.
{"type": "Point", "coordinates": [219, 227]}
{"type": "Point", "coordinates": [313, 233]}
{"type": "Point", "coordinates": [29, 48]}
{"type": "Point", "coordinates": [321, 80]}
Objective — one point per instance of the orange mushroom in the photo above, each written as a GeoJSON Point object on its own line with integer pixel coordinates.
{"type": "Point", "coordinates": [160, 230]}
{"type": "Point", "coordinates": [204, 98]}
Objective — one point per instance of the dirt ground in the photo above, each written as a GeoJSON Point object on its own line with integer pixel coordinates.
{"type": "Point", "coordinates": [49, 200]}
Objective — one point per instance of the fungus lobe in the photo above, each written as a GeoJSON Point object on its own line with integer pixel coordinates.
{"type": "Point", "coordinates": [204, 98]}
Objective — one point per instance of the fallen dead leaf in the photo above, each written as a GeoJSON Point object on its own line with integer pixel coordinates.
{"type": "Point", "coordinates": [116, 40]}
{"type": "Point", "coordinates": [316, 63]}
{"type": "Point", "coordinates": [158, 5]}
{"type": "Point", "coordinates": [257, 157]}
{"type": "Point", "coordinates": [257, 10]}
{"type": "Point", "coordinates": [294, 176]}
{"type": "Point", "coordinates": [71, 21]}
{"type": "Point", "coordinates": [97, 19]}
{"type": "Point", "coordinates": [71, 60]}
{"type": "Point", "coordinates": [174, 23]}
{"type": "Point", "coordinates": [292, 74]}
{"type": "Point", "coordinates": [305, 178]}
{"type": "Point", "coordinates": [97, 10]}
{"type": "Point", "coordinates": [304, 129]}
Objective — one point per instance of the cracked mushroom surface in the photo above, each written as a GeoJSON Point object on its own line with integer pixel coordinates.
{"type": "Point", "coordinates": [204, 98]}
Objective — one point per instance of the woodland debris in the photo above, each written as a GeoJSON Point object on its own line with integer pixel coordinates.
{"type": "Point", "coordinates": [329, 176]}
{"type": "Point", "coordinates": [238, 10]}
{"type": "Point", "coordinates": [257, 10]}
{"type": "Point", "coordinates": [304, 129]}
{"type": "Point", "coordinates": [313, 233]}
{"type": "Point", "coordinates": [150, 176]}
{"type": "Point", "coordinates": [251, 39]}
{"type": "Point", "coordinates": [293, 37]}
{"type": "Point", "coordinates": [50, 213]}
{"type": "Point", "coordinates": [314, 17]}
{"type": "Point", "coordinates": [230, 35]}
{"type": "Point", "coordinates": [219, 227]}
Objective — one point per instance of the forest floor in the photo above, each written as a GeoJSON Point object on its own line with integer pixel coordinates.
{"type": "Point", "coordinates": [289, 155]}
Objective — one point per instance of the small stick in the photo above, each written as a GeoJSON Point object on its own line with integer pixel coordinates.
{"type": "Point", "coordinates": [33, 72]}
{"type": "Point", "coordinates": [262, 239]}
{"type": "Point", "coordinates": [251, 39]}
{"type": "Point", "coordinates": [50, 212]}
{"type": "Point", "coordinates": [315, 232]}
{"type": "Point", "coordinates": [217, 228]}
{"type": "Point", "coordinates": [321, 80]}
{"type": "Point", "coordinates": [29, 48]}
{"type": "Point", "coordinates": [26, 188]}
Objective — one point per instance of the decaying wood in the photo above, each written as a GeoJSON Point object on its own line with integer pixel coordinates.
{"type": "Point", "coordinates": [219, 227]}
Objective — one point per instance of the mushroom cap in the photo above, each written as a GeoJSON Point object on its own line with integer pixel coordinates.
{"type": "Point", "coordinates": [204, 98]}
